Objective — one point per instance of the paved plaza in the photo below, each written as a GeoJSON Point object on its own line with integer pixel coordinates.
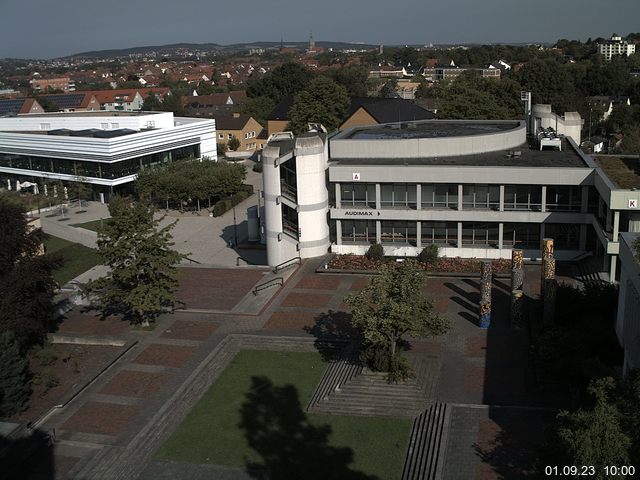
{"type": "Point", "coordinates": [113, 427]}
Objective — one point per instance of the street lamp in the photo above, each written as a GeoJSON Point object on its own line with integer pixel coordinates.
{"type": "Point", "coordinates": [235, 227]}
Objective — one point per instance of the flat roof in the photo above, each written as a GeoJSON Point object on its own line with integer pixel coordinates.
{"type": "Point", "coordinates": [96, 113]}
{"type": "Point", "coordinates": [529, 157]}
{"type": "Point", "coordinates": [429, 129]}
{"type": "Point", "coordinates": [624, 172]}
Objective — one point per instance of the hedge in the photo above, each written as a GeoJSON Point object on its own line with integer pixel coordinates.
{"type": "Point", "coordinates": [228, 203]}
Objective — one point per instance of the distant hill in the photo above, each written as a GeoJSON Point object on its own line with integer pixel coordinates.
{"type": "Point", "coordinates": [210, 47]}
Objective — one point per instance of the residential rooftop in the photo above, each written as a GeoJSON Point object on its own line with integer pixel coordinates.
{"type": "Point", "coordinates": [624, 172]}
{"type": "Point", "coordinates": [434, 129]}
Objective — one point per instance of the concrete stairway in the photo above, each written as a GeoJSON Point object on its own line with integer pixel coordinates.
{"type": "Point", "coordinates": [368, 393]}
{"type": "Point", "coordinates": [425, 454]}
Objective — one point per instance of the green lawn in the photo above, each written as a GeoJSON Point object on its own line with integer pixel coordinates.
{"type": "Point", "coordinates": [216, 430]}
{"type": "Point", "coordinates": [92, 225]}
{"type": "Point", "coordinates": [77, 258]}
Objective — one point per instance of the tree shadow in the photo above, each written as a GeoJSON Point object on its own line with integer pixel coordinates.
{"type": "Point", "coordinates": [28, 457]}
{"type": "Point", "coordinates": [333, 332]}
{"type": "Point", "coordinates": [290, 447]}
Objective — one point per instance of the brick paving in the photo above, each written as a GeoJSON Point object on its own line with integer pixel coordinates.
{"type": "Point", "coordinates": [189, 330]}
{"type": "Point", "coordinates": [99, 417]}
{"type": "Point", "coordinates": [134, 384]}
{"type": "Point", "coordinates": [229, 285]}
{"type": "Point", "coordinates": [310, 300]}
{"type": "Point", "coordinates": [166, 355]}
{"type": "Point", "coordinates": [79, 322]}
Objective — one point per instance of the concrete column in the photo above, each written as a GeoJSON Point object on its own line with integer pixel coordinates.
{"type": "Point", "coordinates": [500, 235]}
{"type": "Point", "coordinates": [549, 285]}
{"type": "Point", "coordinates": [501, 202]}
{"type": "Point", "coordinates": [339, 232]}
{"type": "Point", "coordinates": [608, 222]}
{"type": "Point", "coordinates": [612, 270]}
{"type": "Point", "coordinates": [486, 277]}
{"type": "Point", "coordinates": [378, 230]}
{"type": "Point", "coordinates": [459, 234]}
{"type": "Point", "coordinates": [378, 199]}
{"type": "Point", "coordinates": [583, 237]}
{"type": "Point", "coordinates": [544, 199]}
{"type": "Point", "coordinates": [541, 234]}
{"type": "Point", "coordinates": [419, 234]}
{"type": "Point", "coordinates": [616, 225]}
{"type": "Point", "coordinates": [338, 196]}
{"type": "Point", "coordinates": [460, 193]}
{"type": "Point", "coordinates": [418, 199]}
{"type": "Point", "coordinates": [584, 201]}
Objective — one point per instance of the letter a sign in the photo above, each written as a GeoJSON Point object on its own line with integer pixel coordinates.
{"type": "Point", "coordinates": [356, 177]}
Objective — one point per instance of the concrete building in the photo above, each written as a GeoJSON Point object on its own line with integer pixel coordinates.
{"type": "Point", "coordinates": [615, 46]}
{"type": "Point", "coordinates": [106, 149]}
{"type": "Point", "coordinates": [38, 84]}
{"type": "Point", "coordinates": [476, 189]}
{"type": "Point", "coordinates": [628, 316]}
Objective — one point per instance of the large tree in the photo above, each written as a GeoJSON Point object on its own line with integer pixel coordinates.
{"type": "Point", "coordinates": [142, 280]}
{"type": "Point", "coordinates": [15, 377]}
{"type": "Point", "coordinates": [287, 79]}
{"type": "Point", "coordinates": [392, 306]}
{"type": "Point", "coordinates": [26, 303]}
{"type": "Point", "coordinates": [323, 101]}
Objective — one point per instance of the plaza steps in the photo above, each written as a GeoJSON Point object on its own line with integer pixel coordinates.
{"type": "Point", "coordinates": [427, 444]}
{"type": "Point", "coordinates": [337, 374]}
{"type": "Point", "coordinates": [589, 270]}
{"type": "Point", "coordinates": [368, 393]}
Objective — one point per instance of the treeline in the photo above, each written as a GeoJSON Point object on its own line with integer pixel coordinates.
{"type": "Point", "coordinates": [190, 184]}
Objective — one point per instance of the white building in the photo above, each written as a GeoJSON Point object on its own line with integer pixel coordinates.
{"type": "Point", "coordinates": [106, 149]}
{"type": "Point", "coordinates": [616, 46]}
{"type": "Point", "coordinates": [628, 317]}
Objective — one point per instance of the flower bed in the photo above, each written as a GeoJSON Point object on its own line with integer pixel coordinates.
{"type": "Point", "coordinates": [442, 265]}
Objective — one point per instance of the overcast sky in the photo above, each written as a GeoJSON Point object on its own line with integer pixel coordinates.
{"type": "Point", "coordinates": [50, 28]}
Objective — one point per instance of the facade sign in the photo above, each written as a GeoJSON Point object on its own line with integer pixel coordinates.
{"type": "Point", "coordinates": [356, 177]}
{"type": "Point", "coordinates": [360, 213]}
{"type": "Point", "coordinates": [633, 203]}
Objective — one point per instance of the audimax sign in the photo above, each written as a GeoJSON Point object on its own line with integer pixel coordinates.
{"type": "Point", "coordinates": [360, 213]}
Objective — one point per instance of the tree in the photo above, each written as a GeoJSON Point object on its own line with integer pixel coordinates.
{"type": "Point", "coordinates": [233, 144]}
{"type": "Point", "coordinates": [592, 436]}
{"type": "Point", "coordinates": [287, 79]}
{"type": "Point", "coordinates": [142, 280]}
{"type": "Point", "coordinates": [323, 101]}
{"type": "Point", "coordinates": [26, 303]}
{"type": "Point", "coordinates": [389, 89]}
{"type": "Point", "coordinates": [392, 306]}
{"type": "Point", "coordinates": [353, 78]}
{"type": "Point", "coordinates": [151, 103]}
{"type": "Point", "coordinates": [258, 108]}
{"type": "Point", "coordinates": [15, 376]}
{"type": "Point", "coordinates": [80, 189]}
{"type": "Point", "coordinates": [631, 141]}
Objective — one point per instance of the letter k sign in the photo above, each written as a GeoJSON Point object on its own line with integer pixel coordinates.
{"type": "Point", "coordinates": [633, 203]}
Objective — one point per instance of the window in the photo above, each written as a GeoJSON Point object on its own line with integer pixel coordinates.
{"type": "Point", "coordinates": [564, 198]}
{"type": "Point", "coordinates": [481, 197]}
{"type": "Point", "coordinates": [398, 195]}
{"type": "Point", "coordinates": [521, 235]}
{"type": "Point", "coordinates": [439, 233]}
{"type": "Point", "coordinates": [439, 195]}
{"type": "Point", "coordinates": [45, 126]}
{"type": "Point", "coordinates": [358, 195]}
{"type": "Point", "coordinates": [221, 136]}
{"type": "Point", "coordinates": [115, 125]}
{"type": "Point", "coordinates": [480, 234]}
{"type": "Point", "coordinates": [566, 236]}
{"type": "Point", "coordinates": [290, 221]}
{"type": "Point", "coordinates": [398, 232]}
{"type": "Point", "coordinates": [523, 197]}
{"type": "Point", "coordinates": [288, 181]}
{"type": "Point", "coordinates": [246, 136]}
{"type": "Point", "coordinates": [230, 136]}
{"type": "Point", "coordinates": [358, 231]}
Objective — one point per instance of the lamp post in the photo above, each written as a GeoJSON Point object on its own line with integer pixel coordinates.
{"type": "Point", "coordinates": [235, 227]}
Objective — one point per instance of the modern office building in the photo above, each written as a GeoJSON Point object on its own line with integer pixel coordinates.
{"type": "Point", "coordinates": [628, 316]}
{"type": "Point", "coordinates": [615, 46]}
{"type": "Point", "coordinates": [477, 189]}
{"type": "Point", "coordinates": [105, 149]}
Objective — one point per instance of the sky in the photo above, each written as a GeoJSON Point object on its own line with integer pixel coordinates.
{"type": "Point", "coordinates": [50, 28]}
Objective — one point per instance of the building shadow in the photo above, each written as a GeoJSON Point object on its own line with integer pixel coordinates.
{"type": "Point", "coordinates": [333, 333]}
{"type": "Point", "coordinates": [27, 457]}
{"type": "Point", "coordinates": [235, 237]}
{"type": "Point", "coordinates": [289, 446]}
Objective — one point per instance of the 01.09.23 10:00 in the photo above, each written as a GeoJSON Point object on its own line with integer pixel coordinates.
{"type": "Point", "coordinates": [589, 471]}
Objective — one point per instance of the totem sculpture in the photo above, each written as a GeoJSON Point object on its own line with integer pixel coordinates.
{"type": "Point", "coordinates": [549, 284]}
{"type": "Point", "coordinates": [485, 294]}
{"type": "Point", "coordinates": [517, 281]}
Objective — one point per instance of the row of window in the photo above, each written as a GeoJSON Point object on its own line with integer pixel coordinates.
{"type": "Point", "coordinates": [518, 235]}
{"type": "Point", "coordinates": [445, 196]}
{"type": "Point", "coordinates": [82, 168]}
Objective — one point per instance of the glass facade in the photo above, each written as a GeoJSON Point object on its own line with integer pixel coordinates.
{"type": "Point", "coordinates": [523, 197]}
{"type": "Point", "coordinates": [104, 170]}
{"type": "Point", "coordinates": [290, 221]}
{"type": "Point", "coordinates": [398, 232]}
{"type": "Point", "coordinates": [439, 195]}
{"type": "Point", "coordinates": [562, 198]}
{"type": "Point", "coordinates": [480, 234]}
{"type": "Point", "coordinates": [398, 195]}
{"type": "Point", "coordinates": [481, 197]}
{"type": "Point", "coordinates": [358, 195]}
{"type": "Point", "coordinates": [358, 231]}
{"type": "Point", "coordinates": [440, 233]}
{"type": "Point", "coordinates": [566, 236]}
{"type": "Point", "coordinates": [521, 235]}
{"type": "Point", "coordinates": [288, 181]}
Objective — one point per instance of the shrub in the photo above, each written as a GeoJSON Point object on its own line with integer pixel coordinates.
{"type": "Point", "coordinates": [228, 203]}
{"type": "Point", "coordinates": [375, 252]}
{"type": "Point", "coordinates": [399, 370]}
{"type": "Point", "coordinates": [45, 356]}
{"type": "Point", "coordinates": [257, 167]}
{"type": "Point", "coordinates": [429, 254]}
